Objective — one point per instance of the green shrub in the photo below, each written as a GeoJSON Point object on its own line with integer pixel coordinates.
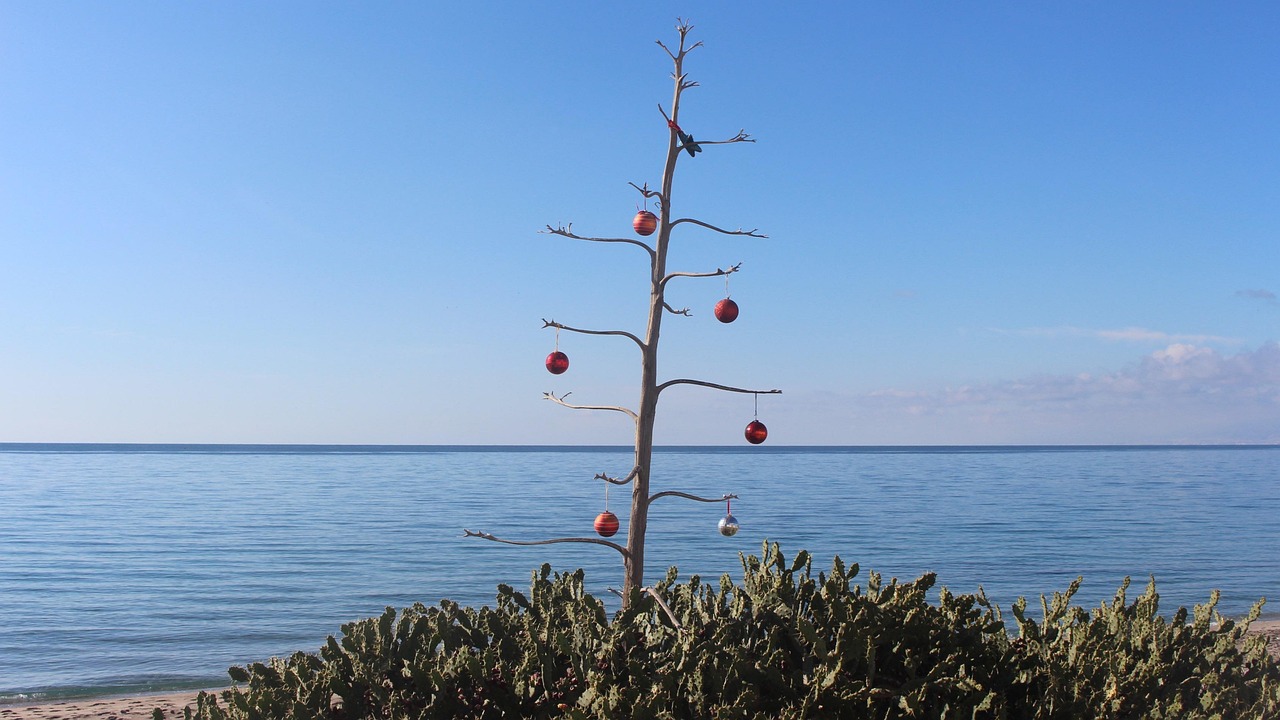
{"type": "Point", "coordinates": [783, 644]}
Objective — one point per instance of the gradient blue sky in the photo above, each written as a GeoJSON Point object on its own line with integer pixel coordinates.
{"type": "Point", "coordinates": [318, 222]}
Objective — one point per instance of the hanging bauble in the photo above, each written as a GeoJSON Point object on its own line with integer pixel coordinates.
{"type": "Point", "coordinates": [756, 432]}
{"type": "Point", "coordinates": [728, 526]}
{"type": "Point", "coordinates": [726, 311]}
{"type": "Point", "coordinates": [645, 222]}
{"type": "Point", "coordinates": [557, 363]}
{"type": "Point", "coordinates": [607, 524]}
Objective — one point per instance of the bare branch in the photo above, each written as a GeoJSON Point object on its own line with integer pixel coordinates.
{"type": "Point", "coordinates": [664, 606]}
{"type": "Point", "coordinates": [688, 139]}
{"type": "Point", "coordinates": [661, 603]}
{"type": "Point", "coordinates": [553, 541]}
{"type": "Point", "coordinates": [716, 386]}
{"type": "Point", "coordinates": [683, 28]}
{"type": "Point", "coordinates": [560, 401]}
{"type": "Point", "coordinates": [749, 233]}
{"type": "Point", "coordinates": [742, 136]}
{"type": "Point", "coordinates": [645, 191]}
{"type": "Point", "coordinates": [717, 273]}
{"type": "Point", "coordinates": [664, 47]}
{"type": "Point", "coordinates": [552, 323]}
{"type": "Point", "coordinates": [567, 231]}
{"type": "Point", "coordinates": [684, 311]}
{"type": "Point", "coordinates": [630, 476]}
{"type": "Point", "coordinates": [687, 496]}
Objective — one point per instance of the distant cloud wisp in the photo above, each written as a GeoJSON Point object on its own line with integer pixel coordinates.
{"type": "Point", "coordinates": [1129, 334]}
{"type": "Point", "coordinates": [1261, 295]}
{"type": "Point", "coordinates": [1182, 393]}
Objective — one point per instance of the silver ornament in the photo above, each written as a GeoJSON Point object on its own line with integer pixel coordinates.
{"type": "Point", "coordinates": [728, 526]}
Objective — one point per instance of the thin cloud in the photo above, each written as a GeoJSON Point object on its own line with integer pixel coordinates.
{"type": "Point", "coordinates": [1184, 393]}
{"type": "Point", "coordinates": [1261, 295]}
{"type": "Point", "coordinates": [1129, 334]}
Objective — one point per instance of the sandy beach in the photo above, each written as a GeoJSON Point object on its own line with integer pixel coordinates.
{"type": "Point", "coordinates": [132, 707]}
{"type": "Point", "coordinates": [141, 707]}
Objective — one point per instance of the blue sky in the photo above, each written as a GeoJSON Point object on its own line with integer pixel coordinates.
{"type": "Point", "coordinates": [318, 222]}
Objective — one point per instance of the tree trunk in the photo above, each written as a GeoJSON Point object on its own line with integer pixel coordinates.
{"type": "Point", "coordinates": [648, 410]}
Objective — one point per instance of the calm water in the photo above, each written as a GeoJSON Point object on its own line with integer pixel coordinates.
{"type": "Point", "coordinates": [156, 567]}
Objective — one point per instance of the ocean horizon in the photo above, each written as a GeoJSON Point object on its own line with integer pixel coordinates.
{"type": "Point", "coordinates": [129, 567]}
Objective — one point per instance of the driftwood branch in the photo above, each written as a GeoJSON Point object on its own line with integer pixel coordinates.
{"type": "Point", "coordinates": [645, 191]}
{"type": "Point", "coordinates": [749, 233]}
{"type": "Point", "coordinates": [661, 603]}
{"type": "Point", "coordinates": [552, 541]}
{"type": "Point", "coordinates": [717, 273]}
{"type": "Point", "coordinates": [683, 311]}
{"type": "Point", "coordinates": [716, 386]}
{"type": "Point", "coordinates": [630, 476]}
{"type": "Point", "coordinates": [683, 27]}
{"type": "Point", "coordinates": [561, 326]}
{"type": "Point", "coordinates": [665, 608]}
{"type": "Point", "coordinates": [687, 496]}
{"type": "Point", "coordinates": [742, 136]}
{"type": "Point", "coordinates": [560, 401]}
{"type": "Point", "coordinates": [567, 231]}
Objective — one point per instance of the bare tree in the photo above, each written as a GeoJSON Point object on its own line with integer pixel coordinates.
{"type": "Point", "coordinates": [650, 389]}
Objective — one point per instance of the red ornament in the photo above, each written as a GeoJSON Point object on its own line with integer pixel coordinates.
{"type": "Point", "coordinates": [557, 362]}
{"type": "Point", "coordinates": [756, 432]}
{"type": "Point", "coordinates": [726, 311]}
{"type": "Point", "coordinates": [606, 524]}
{"type": "Point", "coordinates": [645, 222]}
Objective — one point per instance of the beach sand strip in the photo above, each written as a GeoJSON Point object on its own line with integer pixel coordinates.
{"type": "Point", "coordinates": [132, 707]}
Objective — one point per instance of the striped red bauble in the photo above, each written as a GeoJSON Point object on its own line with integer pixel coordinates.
{"type": "Point", "coordinates": [606, 524]}
{"type": "Point", "coordinates": [645, 223]}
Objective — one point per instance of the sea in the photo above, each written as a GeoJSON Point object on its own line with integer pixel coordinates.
{"type": "Point", "coordinates": [140, 568]}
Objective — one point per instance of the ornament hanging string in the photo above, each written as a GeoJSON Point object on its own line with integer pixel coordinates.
{"type": "Point", "coordinates": [557, 339]}
{"type": "Point", "coordinates": [728, 506]}
{"type": "Point", "coordinates": [757, 410]}
{"type": "Point", "coordinates": [726, 284]}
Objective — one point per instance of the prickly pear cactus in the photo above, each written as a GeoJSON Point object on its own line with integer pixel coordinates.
{"type": "Point", "coordinates": [782, 643]}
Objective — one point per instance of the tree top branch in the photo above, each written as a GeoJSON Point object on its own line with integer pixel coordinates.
{"type": "Point", "coordinates": [683, 27]}
{"type": "Point", "coordinates": [687, 496]}
{"type": "Point", "coordinates": [552, 541]}
{"type": "Point", "coordinates": [645, 191]}
{"type": "Point", "coordinates": [567, 231]}
{"type": "Point", "coordinates": [623, 333]}
{"type": "Point", "coordinates": [748, 233]}
{"type": "Point", "coordinates": [717, 273]}
{"type": "Point", "coordinates": [615, 408]}
{"type": "Point", "coordinates": [716, 386]}
{"type": "Point", "coordinates": [630, 476]}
